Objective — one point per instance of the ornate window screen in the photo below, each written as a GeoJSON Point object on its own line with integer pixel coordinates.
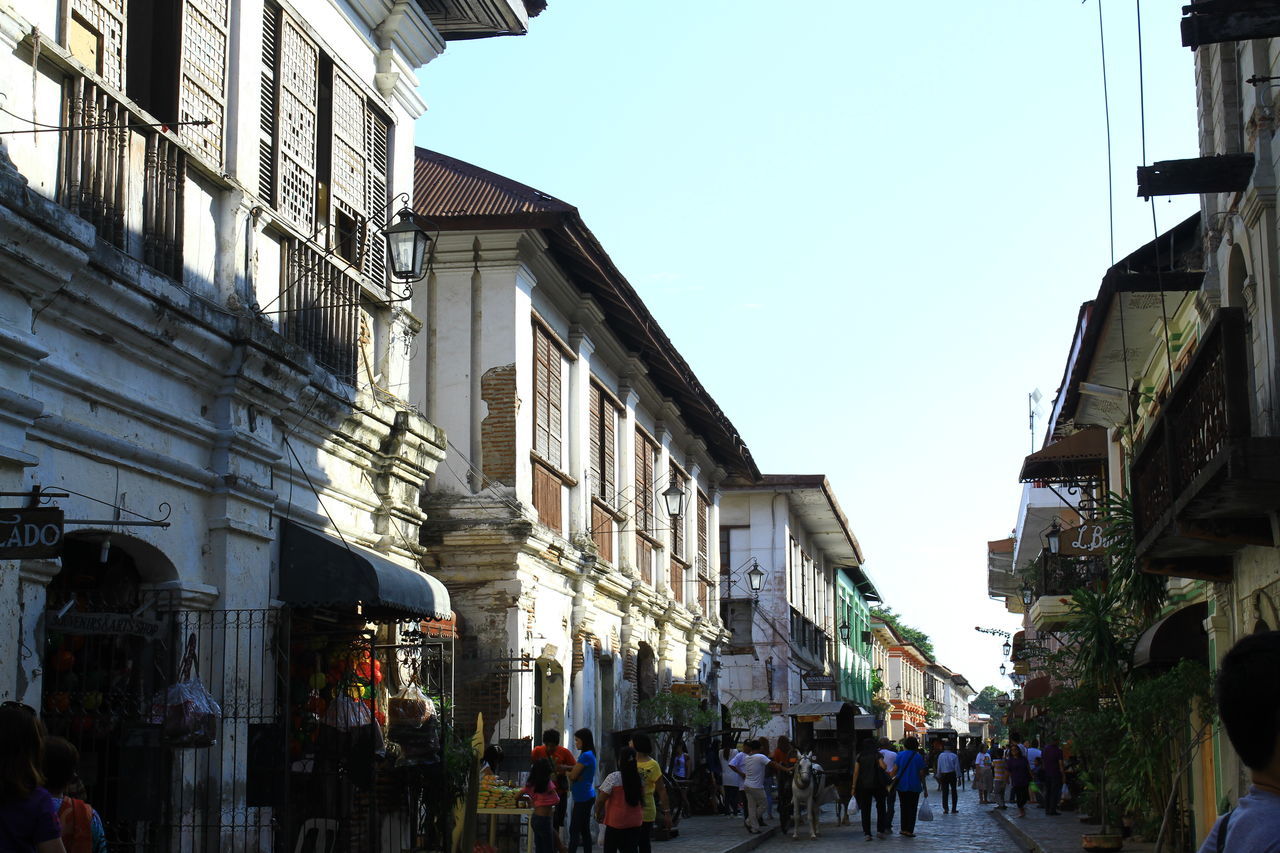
{"type": "Point", "coordinates": [704, 517]}
{"type": "Point", "coordinates": [547, 419]}
{"type": "Point", "coordinates": [107, 18]}
{"type": "Point", "coordinates": [297, 123]}
{"type": "Point", "coordinates": [203, 74]}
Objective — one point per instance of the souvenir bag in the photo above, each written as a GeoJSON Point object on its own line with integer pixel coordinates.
{"type": "Point", "coordinates": [409, 707]}
{"type": "Point", "coordinates": [187, 712]}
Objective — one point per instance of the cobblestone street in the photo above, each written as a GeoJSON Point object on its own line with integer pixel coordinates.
{"type": "Point", "coordinates": [971, 830]}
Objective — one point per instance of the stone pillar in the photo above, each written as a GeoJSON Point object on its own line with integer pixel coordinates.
{"type": "Point", "coordinates": [35, 575]}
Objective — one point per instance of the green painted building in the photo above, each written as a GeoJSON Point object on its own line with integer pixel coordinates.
{"type": "Point", "coordinates": [854, 595]}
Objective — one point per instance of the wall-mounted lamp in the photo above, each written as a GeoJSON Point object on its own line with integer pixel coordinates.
{"type": "Point", "coordinates": [1053, 536]}
{"type": "Point", "coordinates": [1003, 670]}
{"type": "Point", "coordinates": [844, 629]}
{"type": "Point", "coordinates": [1028, 594]}
{"type": "Point", "coordinates": [755, 578]}
{"type": "Point", "coordinates": [1006, 648]}
{"type": "Point", "coordinates": [407, 247]}
{"type": "Point", "coordinates": [675, 496]}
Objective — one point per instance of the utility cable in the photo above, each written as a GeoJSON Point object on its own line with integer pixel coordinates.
{"type": "Point", "coordinates": [1106, 107]}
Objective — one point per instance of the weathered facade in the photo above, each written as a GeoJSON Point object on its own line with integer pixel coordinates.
{"type": "Point", "coordinates": [571, 417]}
{"type": "Point", "coordinates": [785, 645]}
{"type": "Point", "coordinates": [197, 328]}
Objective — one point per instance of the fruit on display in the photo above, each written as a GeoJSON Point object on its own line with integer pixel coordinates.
{"type": "Point", "coordinates": [497, 794]}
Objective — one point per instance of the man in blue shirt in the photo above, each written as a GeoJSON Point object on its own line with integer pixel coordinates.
{"type": "Point", "coordinates": [948, 772]}
{"type": "Point", "coordinates": [910, 772]}
{"type": "Point", "coordinates": [1248, 691]}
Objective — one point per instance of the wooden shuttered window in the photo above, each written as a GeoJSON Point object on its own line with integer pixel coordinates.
{"type": "Point", "coordinates": [268, 107]}
{"type": "Point", "coordinates": [646, 452]}
{"type": "Point", "coordinates": [547, 419]}
{"type": "Point", "coordinates": [603, 440]}
{"type": "Point", "coordinates": [301, 120]}
{"type": "Point", "coordinates": [681, 479]}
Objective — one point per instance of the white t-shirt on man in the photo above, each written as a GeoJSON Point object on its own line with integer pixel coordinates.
{"type": "Point", "coordinates": [752, 767]}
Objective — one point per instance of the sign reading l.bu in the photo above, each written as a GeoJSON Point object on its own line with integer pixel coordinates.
{"type": "Point", "coordinates": [30, 533]}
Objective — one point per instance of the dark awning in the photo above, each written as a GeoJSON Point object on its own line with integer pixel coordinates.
{"type": "Point", "coordinates": [1078, 456]}
{"type": "Point", "coordinates": [1177, 637]}
{"type": "Point", "coordinates": [318, 570]}
{"type": "Point", "coordinates": [818, 709]}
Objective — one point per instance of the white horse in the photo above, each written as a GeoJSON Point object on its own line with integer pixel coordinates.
{"type": "Point", "coordinates": [806, 785]}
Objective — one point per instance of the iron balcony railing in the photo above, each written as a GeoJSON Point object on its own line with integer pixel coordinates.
{"type": "Point", "coordinates": [1206, 410]}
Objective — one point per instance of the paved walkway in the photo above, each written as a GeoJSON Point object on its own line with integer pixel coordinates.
{"type": "Point", "coordinates": [968, 831]}
{"type": "Point", "coordinates": [1041, 833]}
{"type": "Point", "coordinates": [714, 834]}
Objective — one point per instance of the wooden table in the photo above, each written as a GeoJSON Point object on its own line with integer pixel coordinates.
{"type": "Point", "coordinates": [493, 824]}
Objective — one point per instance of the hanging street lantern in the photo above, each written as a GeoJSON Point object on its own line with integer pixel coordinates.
{"type": "Point", "coordinates": [674, 495]}
{"type": "Point", "coordinates": [407, 247]}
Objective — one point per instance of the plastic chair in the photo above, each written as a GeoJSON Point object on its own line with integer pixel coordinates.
{"type": "Point", "coordinates": [326, 836]}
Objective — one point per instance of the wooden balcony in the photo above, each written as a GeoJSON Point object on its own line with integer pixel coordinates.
{"type": "Point", "coordinates": [1203, 484]}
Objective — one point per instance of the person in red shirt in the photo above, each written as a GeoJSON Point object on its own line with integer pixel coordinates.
{"type": "Point", "coordinates": [562, 760]}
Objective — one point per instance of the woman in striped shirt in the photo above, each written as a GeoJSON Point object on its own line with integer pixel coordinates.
{"type": "Point", "coordinates": [999, 776]}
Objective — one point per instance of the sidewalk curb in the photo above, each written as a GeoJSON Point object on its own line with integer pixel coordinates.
{"type": "Point", "coordinates": [1017, 833]}
{"type": "Point", "coordinates": [751, 842]}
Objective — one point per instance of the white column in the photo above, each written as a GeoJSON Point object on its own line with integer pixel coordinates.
{"type": "Point", "coordinates": [579, 437]}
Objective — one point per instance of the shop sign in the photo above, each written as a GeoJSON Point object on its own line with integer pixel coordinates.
{"type": "Point", "coordinates": [33, 532]}
{"type": "Point", "coordinates": [102, 623]}
{"type": "Point", "coordinates": [694, 690]}
{"type": "Point", "coordinates": [1085, 540]}
{"type": "Point", "coordinates": [816, 679]}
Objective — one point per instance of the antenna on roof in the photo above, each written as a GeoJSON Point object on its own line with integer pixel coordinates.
{"type": "Point", "coordinates": [1033, 407]}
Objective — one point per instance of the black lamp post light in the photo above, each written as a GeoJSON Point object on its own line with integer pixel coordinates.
{"type": "Point", "coordinates": [845, 629]}
{"type": "Point", "coordinates": [1053, 537]}
{"type": "Point", "coordinates": [407, 247]}
{"type": "Point", "coordinates": [674, 495]}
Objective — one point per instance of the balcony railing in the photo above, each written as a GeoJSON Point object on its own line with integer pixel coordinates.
{"type": "Point", "coordinates": [1202, 484]}
{"type": "Point", "coordinates": [322, 310]}
{"type": "Point", "coordinates": [109, 154]}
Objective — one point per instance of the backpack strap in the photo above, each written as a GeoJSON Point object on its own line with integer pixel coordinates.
{"type": "Point", "coordinates": [1222, 832]}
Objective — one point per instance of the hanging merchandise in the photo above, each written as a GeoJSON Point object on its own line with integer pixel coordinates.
{"type": "Point", "coordinates": [409, 707]}
{"type": "Point", "coordinates": [187, 713]}
{"type": "Point", "coordinates": [345, 713]}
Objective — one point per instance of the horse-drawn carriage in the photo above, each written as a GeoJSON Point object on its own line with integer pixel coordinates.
{"type": "Point", "coordinates": [832, 732]}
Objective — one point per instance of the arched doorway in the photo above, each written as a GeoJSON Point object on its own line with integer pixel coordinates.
{"type": "Point", "coordinates": [107, 652]}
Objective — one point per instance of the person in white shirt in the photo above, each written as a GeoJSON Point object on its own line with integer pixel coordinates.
{"type": "Point", "coordinates": [890, 757]}
{"type": "Point", "coordinates": [948, 770]}
{"type": "Point", "coordinates": [1033, 761]}
{"type": "Point", "coordinates": [982, 774]}
{"type": "Point", "coordinates": [752, 764]}
{"type": "Point", "coordinates": [732, 781]}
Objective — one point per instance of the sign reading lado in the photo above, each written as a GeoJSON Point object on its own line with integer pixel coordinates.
{"type": "Point", "coordinates": [30, 533]}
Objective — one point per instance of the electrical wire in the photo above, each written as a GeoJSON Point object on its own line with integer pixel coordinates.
{"type": "Point", "coordinates": [1106, 106]}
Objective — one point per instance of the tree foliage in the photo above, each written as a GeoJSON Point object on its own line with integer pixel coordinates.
{"type": "Point", "coordinates": [674, 709]}
{"type": "Point", "coordinates": [985, 703]}
{"type": "Point", "coordinates": [750, 715]}
{"type": "Point", "coordinates": [914, 636]}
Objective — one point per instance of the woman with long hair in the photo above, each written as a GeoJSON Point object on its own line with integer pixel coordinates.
{"type": "Point", "coordinates": [582, 785]}
{"type": "Point", "coordinates": [870, 781]}
{"type": "Point", "coordinates": [541, 793]}
{"type": "Point", "coordinates": [1019, 770]}
{"type": "Point", "coordinates": [619, 805]}
{"type": "Point", "coordinates": [28, 819]}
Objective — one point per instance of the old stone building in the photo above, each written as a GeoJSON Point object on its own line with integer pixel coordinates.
{"type": "Point", "coordinates": [202, 366]}
{"type": "Point", "coordinates": [572, 422]}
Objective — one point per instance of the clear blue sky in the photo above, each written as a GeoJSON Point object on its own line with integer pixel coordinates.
{"type": "Point", "coordinates": [868, 229]}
